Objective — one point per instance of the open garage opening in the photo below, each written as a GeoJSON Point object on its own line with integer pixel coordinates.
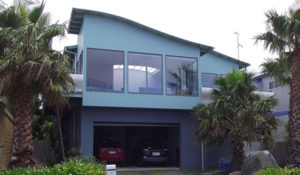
{"type": "Point", "coordinates": [132, 144]}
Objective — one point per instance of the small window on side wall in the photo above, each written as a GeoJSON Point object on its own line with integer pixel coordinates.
{"type": "Point", "coordinates": [208, 80]}
{"type": "Point", "coordinates": [182, 76]}
{"type": "Point", "coordinates": [274, 84]}
{"type": "Point", "coordinates": [105, 70]}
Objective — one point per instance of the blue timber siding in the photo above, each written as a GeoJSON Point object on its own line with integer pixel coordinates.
{"type": "Point", "coordinates": [80, 43]}
{"type": "Point", "coordinates": [105, 33]}
{"type": "Point", "coordinates": [190, 152]}
{"type": "Point", "coordinates": [211, 63]}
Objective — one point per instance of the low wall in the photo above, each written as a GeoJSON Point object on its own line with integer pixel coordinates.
{"type": "Point", "coordinates": [42, 152]}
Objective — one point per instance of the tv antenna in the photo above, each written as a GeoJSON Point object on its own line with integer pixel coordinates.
{"type": "Point", "coordinates": [238, 46]}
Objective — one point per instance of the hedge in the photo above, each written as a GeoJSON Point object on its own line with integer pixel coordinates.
{"type": "Point", "coordinates": [73, 167]}
{"type": "Point", "coordinates": [281, 171]}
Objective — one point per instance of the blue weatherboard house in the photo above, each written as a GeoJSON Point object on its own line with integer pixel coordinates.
{"type": "Point", "coordinates": [135, 83]}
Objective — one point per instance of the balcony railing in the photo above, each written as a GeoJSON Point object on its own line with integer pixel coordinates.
{"type": "Point", "coordinates": [78, 81]}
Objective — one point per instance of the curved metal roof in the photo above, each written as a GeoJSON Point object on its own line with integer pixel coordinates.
{"type": "Point", "coordinates": [76, 20]}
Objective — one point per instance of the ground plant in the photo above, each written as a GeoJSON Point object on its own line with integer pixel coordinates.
{"type": "Point", "coordinates": [281, 171]}
{"type": "Point", "coordinates": [74, 167]}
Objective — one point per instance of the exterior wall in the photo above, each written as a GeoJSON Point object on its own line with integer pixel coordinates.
{"type": "Point", "coordinates": [80, 42]}
{"type": "Point", "coordinates": [211, 63]}
{"type": "Point", "coordinates": [190, 153]}
{"type": "Point", "coordinates": [282, 93]}
{"type": "Point", "coordinates": [6, 136]}
{"type": "Point", "coordinates": [104, 33]}
{"type": "Point", "coordinates": [215, 153]}
{"type": "Point", "coordinates": [280, 134]}
{"type": "Point", "coordinates": [283, 96]}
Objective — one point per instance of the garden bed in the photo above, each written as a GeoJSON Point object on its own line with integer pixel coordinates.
{"type": "Point", "coordinates": [74, 167]}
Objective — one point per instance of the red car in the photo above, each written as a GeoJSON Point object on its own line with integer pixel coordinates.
{"type": "Point", "coordinates": [111, 151]}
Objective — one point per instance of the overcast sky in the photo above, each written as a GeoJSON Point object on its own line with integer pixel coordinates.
{"type": "Point", "coordinates": [209, 22]}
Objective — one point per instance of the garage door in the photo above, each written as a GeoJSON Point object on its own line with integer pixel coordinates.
{"type": "Point", "coordinates": [132, 136]}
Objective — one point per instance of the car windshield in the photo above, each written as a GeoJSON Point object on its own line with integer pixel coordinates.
{"type": "Point", "coordinates": [110, 144]}
{"type": "Point", "coordinates": [156, 144]}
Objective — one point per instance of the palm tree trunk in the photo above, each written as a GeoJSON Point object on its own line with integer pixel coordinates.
{"type": "Point", "coordinates": [294, 120]}
{"type": "Point", "coordinates": [22, 143]}
{"type": "Point", "coordinates": [290, 144]}
{"type": "Point", "coordinates": [237, 153]}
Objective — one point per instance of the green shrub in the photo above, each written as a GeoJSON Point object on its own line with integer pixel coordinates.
{"type": "Point", "coordinates": [281, 171]}
{"type": "Point", "coordinates": [72, 167]}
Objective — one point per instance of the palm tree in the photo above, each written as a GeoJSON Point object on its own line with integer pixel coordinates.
{"type": "Point", "coordinates": [30, 68]}
{"type": "Point", "coordinates": [282, 36]}
{"type": "Point", "coordinates": [235, 113]}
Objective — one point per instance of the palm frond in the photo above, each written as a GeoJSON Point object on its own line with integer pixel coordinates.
{"type": "Point", "coordinates": [36, 13]}
{"type": "Point", "coordinates": [280, 69]}
{"type": "Point", "coordinates": [272, 42]}
{"type": "Point", "coordinates": [277, 23]}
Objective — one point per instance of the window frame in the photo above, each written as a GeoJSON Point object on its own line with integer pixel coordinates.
{"type": "Point", "coordinates": [195, 58]}
{"type": "Point", "coordinates": [122, 91]}
{"type": "Point", "coordinates": [162, 73]}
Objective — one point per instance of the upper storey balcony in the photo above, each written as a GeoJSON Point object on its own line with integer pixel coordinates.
{"type": "Point", "coordinates": [78, 82]}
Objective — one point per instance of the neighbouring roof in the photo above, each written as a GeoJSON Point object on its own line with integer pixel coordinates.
{"type": "Point", "coordinates": [260, 76]}
{"type": "Point", "coordinates": [76, 20]}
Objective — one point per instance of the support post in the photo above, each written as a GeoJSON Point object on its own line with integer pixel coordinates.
{"type": "Point", "coordinates": [60, 135]}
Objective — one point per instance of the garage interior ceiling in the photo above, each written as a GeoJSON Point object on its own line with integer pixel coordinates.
{"type": "Point", "coordinates": [137, 124]}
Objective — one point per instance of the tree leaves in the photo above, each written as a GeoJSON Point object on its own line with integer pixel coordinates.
{"type": "Point", "coordinates": [235, 112]}
{"type": "Point", "coordinates": [27, 57]}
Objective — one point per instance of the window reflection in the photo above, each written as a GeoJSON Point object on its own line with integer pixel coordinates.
{"type": "Point", "coordinates": [182, 76]}
{"type": "Point", "coordinates": [144, 73]}
{"type": "Point", "coordinates": [105, 70]}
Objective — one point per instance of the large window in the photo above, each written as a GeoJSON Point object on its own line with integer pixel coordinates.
{"type": "Point", "coordinates": [182, 76]}
{"type": "Point", "coordinates": [105, 70]}
{"type": "Point", "coordinates": [208, 80]}
{"type": "Point", "coordinates": [144, 73]}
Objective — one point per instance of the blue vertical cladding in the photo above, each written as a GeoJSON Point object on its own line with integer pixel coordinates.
{"type": "Point", "coordinates": [190, 152]}
{"type": "Point", "coordinates": [80, 41]}
{"type": "Point", "coordinates": [211, 63]}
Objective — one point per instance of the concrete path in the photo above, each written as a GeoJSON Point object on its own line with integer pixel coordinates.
{"type": "Point", "coordinates": [163, 171]}
{"type": "Point", "coordinates": [134, 169]}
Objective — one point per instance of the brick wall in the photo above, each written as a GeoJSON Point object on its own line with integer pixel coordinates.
{"type": "Point", "coordinates": [6, 135]}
